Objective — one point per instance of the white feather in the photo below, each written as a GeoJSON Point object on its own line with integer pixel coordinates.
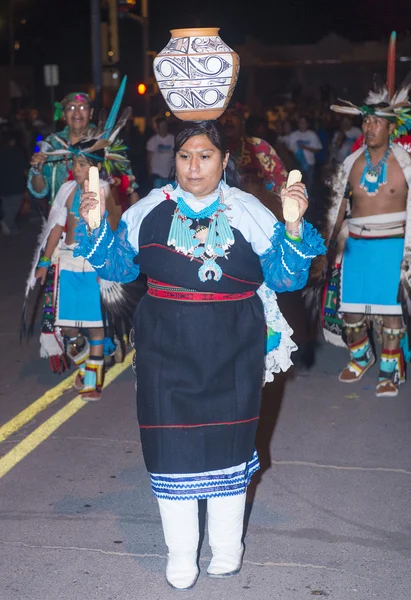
{"type": "Point", "coordinates": [345, 110]}
{"type": "Point", "coordinates": [57, 152]}
{"type": "Point", "coordinates": [378, 96]}
{"type": "Point", "coordinates": [334, 339]}
{"type": "Point", "coordinates": [402, 94]}
{"type": "Point", "coordinates": [51, 344]}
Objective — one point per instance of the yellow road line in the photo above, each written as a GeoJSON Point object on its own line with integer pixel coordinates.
{"type": "Point", "coordinates": [31, 411]}
{"type": "Point", "coordinates": [34, 439]}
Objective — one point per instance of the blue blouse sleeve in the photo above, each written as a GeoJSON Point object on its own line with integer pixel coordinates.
{"type": "Point", "coordinates": [109, 253]}
{"type": "Point", "coordinates": [286, 264]}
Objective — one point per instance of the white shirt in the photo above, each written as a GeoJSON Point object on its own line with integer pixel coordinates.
{"type": "Point", "coordinates": [308, 138]}
{"type": "Point", "coordinates": [162, 157]}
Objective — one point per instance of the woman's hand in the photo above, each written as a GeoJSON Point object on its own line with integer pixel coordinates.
{"type": "Point", "coordinates": [41, 273]}
{"type": "Point", "coordinates": [298, 192]}
{"type": "Point", "coordinates": [37, 160]}
{"type": "Point", "coordinates": [89, 201]}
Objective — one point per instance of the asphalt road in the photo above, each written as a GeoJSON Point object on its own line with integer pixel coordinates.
{"type": "Point", "coordinates": [329, 514]}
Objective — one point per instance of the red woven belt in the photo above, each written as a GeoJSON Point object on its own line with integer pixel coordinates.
{"type": "Point", "coordinates": [157, 289]}
{"type": "Point", "coordinates": [356, 236]}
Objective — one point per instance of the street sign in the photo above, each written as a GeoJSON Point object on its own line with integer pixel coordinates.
{"type": "Point", "coordinates": [51, 75]}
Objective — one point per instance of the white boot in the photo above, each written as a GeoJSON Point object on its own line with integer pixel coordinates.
{"type": "Point", "coordinates": [225, 530]}
{"type": "Point", "coordinates": [181, 534]}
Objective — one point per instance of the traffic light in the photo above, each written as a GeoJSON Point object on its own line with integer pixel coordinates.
{"type": "Point", "coordinates": [150, 87]}
{"type": "Point", "coordinates": [124, 7]}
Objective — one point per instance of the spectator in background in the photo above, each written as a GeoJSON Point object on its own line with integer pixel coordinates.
{"type": "Point", "coordinates": [133, 139]}
{"type": "Point", "coordinates": [305, 144]}
{"type": "Point", "coordinates": [13, 170]}
{"type": "Point", "coordinates": [42, 126]}
{"type": "Point", "coordinates": [259, 165]}
{"type": "Point", "coordinates": [343, 140]}
{"type": "Point", "coordinates": [323, 131]}
{"type": "Point", "coordinates": [24, 129]}
{"type": "Point", "coordinates": [261, 169]}
{"type": "Point", "coordinates": [257, 126]}
{"type": "Point", "coordinates": [160, 152]}
{"type": "Point", "coordinates": [285, 130]}
{"type": "Point", "coordinates": [283, 146]}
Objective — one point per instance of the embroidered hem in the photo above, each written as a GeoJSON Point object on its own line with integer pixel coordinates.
{"type": "Point", "coordinates": [200, 486]}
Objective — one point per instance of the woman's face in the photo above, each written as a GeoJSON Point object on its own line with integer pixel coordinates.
{"type": "Point", "coordinates": [199, 166]}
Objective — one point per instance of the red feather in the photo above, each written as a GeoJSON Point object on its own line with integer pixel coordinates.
{"type": "Point", "coordinates": [391, 64]}
{"type": "Point", "coordinates": [125, 183]}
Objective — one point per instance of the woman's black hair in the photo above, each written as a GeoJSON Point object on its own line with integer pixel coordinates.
{"type": "Point", "coordinates": [215, 133]}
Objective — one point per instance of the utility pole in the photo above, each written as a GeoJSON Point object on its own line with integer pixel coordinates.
{"type": "Point", "coordinates": [113, 31]}
{"type": "Point", "coordinates": [146, 66]}
{"type": "Point", "coordinates": [95, 18]}
{"type": "Point", "coordinates": [144, 21]}
{"type": "Point", "coordinates": [11, 32]}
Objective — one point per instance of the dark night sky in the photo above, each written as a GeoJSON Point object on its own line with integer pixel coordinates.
{"type": "Point", "coordinates": [286, 21]}
{"type": "Point", "coordinates": [59, 32]}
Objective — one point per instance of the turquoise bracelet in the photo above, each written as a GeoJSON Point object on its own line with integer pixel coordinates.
{"type": "Point", "coordinates": [293, 238]}
{"type": "Point", "coordinates": [44, 262]}
{"type": "Point", "coordinates": [298, 237]}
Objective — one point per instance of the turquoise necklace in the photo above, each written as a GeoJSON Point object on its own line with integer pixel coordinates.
{"type": "Point", "coordinates": [191, 214]}
{"type": "Point", "coordinates": [75, 205]}
{"type": "Point", "coordinates": [204, 243]}
{"type": "Point", "coordinates": [374, 176]}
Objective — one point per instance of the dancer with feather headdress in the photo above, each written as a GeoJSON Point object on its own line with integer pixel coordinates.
{"type": "Point", "coordinates": [369, 229]}
{"type": "Point", "coordinates": [73, 323]}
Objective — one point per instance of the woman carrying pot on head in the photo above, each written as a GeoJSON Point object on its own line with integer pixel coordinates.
{"type": "Point", "coordinates": [208, 334]}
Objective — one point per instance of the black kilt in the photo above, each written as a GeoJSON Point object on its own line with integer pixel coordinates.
{"type": "Point", "coordinates": [199, 378]}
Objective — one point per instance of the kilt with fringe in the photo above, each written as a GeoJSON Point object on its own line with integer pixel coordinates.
{"type": "Point", "coordinates": [78, 293]}
{"type": "Point", "coordinates": [370, 276]}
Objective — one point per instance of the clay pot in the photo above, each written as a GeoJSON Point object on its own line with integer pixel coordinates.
{"type": "Point", "coordinates": [196, 73]}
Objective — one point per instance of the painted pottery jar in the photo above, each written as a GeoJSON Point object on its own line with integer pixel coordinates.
{"type": "Point", "coordinates": [196, 73]}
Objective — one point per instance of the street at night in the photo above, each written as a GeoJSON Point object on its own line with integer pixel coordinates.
{"type": "Point", "coordinates": [205, 304]}
{"type": "Point", "coordinates": [330, 517]}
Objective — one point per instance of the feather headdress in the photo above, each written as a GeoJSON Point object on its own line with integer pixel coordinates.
{"type": "Point", "coordinates": [382, 100]}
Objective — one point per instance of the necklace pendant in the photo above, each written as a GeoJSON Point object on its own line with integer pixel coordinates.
{"type": "Point", "coordinates": [210, 270]}
{"type": "Point", "coordinates": [203, 243]}
{"type": "Point", "coordinates": [372, 176]}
